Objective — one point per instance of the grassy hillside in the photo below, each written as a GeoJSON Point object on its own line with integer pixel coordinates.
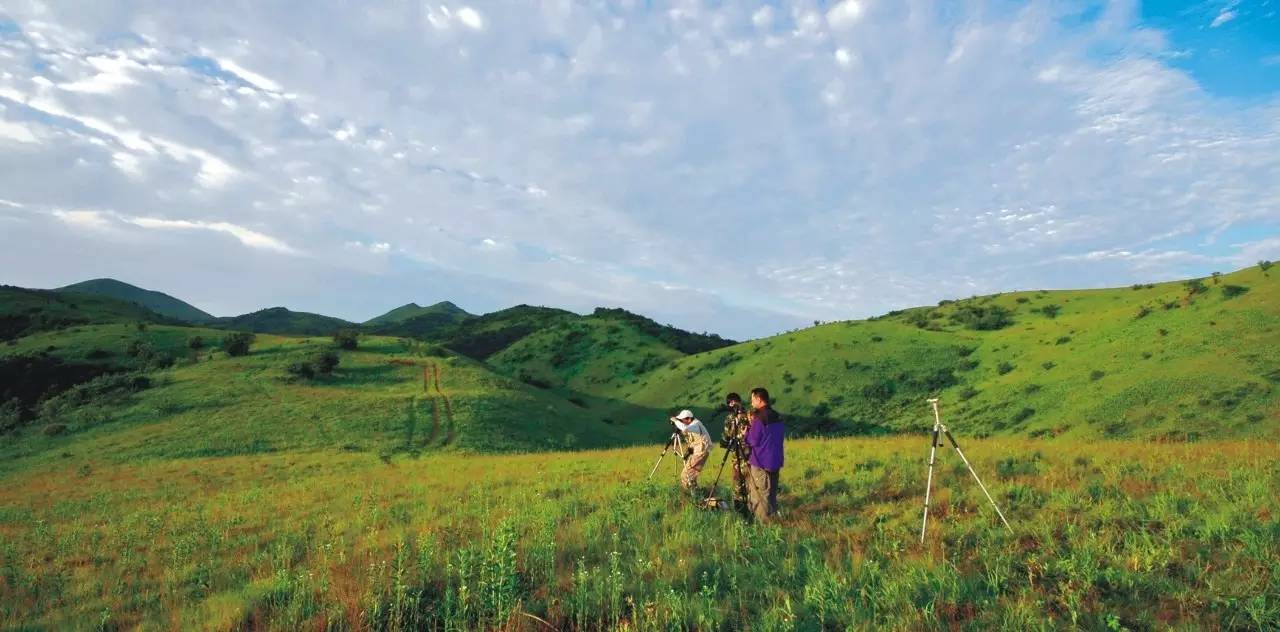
{"type": "Point", "coordinates": [1172, 360]}
{"type": "Point", "coordinates": [1111, 535]}
{"type": "Point", "coordinates": [443, 311]}
{"type": "Point", "coordinates": [157, 302]}
{"type": "Point", "coordinates": [388, 396]}
{"type": "Point", "coordinates": [24, 311]}
{"type": "Point", "coordinates": [278, 320]}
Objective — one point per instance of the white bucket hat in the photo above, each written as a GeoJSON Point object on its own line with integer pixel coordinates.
{"type": "Point", "coordinates": [684, 415]}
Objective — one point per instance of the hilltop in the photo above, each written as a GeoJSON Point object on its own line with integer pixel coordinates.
{"type": "Point", "coordinates": [279, 320]}
{"type": "Point", "coordinates": [445, 311]}
{"type": "Point", "coordinates": [158, 302]}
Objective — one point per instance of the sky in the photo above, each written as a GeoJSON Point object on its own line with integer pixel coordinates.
{"type": "Point", "coordinates": [734, 167]}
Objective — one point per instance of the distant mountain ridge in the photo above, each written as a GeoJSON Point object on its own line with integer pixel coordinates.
{"type": "Point", "coordinates": [280, 320]}
{"type": "Point", "coordinates": [444, 311]}
{"type": "Point", "coordinates": [158, 302]}
{"type": "Point", "coordinates": [443, 323]}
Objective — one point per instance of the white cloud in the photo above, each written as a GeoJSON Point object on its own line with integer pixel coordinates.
{"type": "Point", "coordinates": [844, 57]}
{"type": "Point", "coordinates": [471, 18]}
{"type": "Point", "coordinates": [246, 236]}
{"type": "Point", "coordinates": [845, 13]}
{"type": "Point", "coordinates": [763, 17]}
{"type": "Point", "coordinates": [95, 220]}
{"type": "Point", "coordinates": [16, 132]}
{"type": "Point", "coordinates": [112, 73]}
{"type": "Point", "coordinates": [1224, 16]}
{"type": "Point", "coordinates": [252, 78]}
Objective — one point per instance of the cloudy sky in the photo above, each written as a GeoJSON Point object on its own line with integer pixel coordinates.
{"type": "Point", "coordinates": [726, 166]}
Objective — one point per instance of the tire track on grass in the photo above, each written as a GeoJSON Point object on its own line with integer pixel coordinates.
{"type": "Point", "coordinates": [451, 427]}
{"type": "Point", "coordinates": [435, 410]}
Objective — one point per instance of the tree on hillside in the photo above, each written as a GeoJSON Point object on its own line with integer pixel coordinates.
{"type": "Point", "coordinates": [237, 343]}
{"type": "Point", "coordinates": [1265, 265]}
{"type": "Point", "coordinates": [196, 342]}
{"type": "Point", "coordinates": [346, 339]}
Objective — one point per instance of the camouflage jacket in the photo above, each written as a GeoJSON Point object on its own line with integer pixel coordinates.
{"type": "Point", "coordinates": [735, 426]}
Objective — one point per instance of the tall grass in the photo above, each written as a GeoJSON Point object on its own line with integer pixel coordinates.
{"type": "Point", "coordinates": [1108, 535]}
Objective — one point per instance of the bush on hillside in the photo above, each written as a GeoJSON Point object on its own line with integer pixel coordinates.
{"type": "Point", "coordinates": [1265, 265]}
{"type": "Point", "coordinates": [1232, 291]}
{"type": "Point", "coordinates": [196, 342]}
{"type": "Point", "coordinates": [982, 317]}
{"type": "Point", "coordinates": [346, 339]}
{"type": "Point", "coordinates": [1143, 312]}
{"type": "Point", "coordinates": [237, 343]}
{"type": "Point", "coordinates": [100, 390]}
{"type": "Point", "coordinates": [1096, 375]}
{"type": "Point", "coordinates": [1195, 286]}
{"type": "Point", "coordinates": [322, 363]}
{"type": "Point", "coordinates": [1004, 368]}
{"type": "Point", "coordinates": [1051, 310]}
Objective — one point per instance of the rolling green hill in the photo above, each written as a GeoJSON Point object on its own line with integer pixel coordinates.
{"type": "Point", "coordinates": [24, 311]}
{"type": "Point", "coordinates": [1171, 360]}
{"type": "Point", "coordinates": [282, 321]}
{"type": "Point", "coordinates": [444, 311]}
{"type": "Point", "coordinates": [157, 302]}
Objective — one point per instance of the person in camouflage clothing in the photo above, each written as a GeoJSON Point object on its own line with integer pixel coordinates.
{"type": "Point", "coordinates": [734, 438]}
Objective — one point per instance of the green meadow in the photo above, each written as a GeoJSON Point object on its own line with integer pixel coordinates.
{"type": "Point", "coordinates": [456, 472]}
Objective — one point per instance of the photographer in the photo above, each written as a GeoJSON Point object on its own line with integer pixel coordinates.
{"type": "Point", "coordinates": [698, 441]}
{"type": "Point", "coordinates": [765, 438]}
{"type": "Point", "coordinates": [734, 438]}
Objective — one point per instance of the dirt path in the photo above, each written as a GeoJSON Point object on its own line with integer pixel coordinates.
{"type": "Point", "coordinates": [435, 410]}
{"type": "Point", "coordinates": [451, 427]}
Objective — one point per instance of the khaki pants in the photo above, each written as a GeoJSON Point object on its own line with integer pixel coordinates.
{"type": "Point", "coordinates": [693, 465]}
{"type": "Point", "coordinates": [762, 488]}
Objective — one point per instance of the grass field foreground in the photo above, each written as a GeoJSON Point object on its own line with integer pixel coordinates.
{"type": "Point", "coordinates": [1119, 535]}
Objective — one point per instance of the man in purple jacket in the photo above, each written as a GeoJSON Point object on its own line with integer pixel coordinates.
{"type": "Point", "coordinates": [765, 436]}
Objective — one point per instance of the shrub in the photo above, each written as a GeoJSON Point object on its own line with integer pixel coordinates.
{"type": "Point", "coordinates": [1062, 340]}
{"type": "Point", "coordinates": [880, 390]}
{"type": "Point", "coordinates": [1023, 415]}
{"type": "Point", "coordinates": [1051, 310]}
{"type": "Point", "coordinates": [1022, 299]}
{"type": "Point", "coordinates": [983, 317]}
{"type": "Point", "coordinates": [196, 342]}
{"type": "Point", "coordinates": [346, 339]}
{"type": "Point", "coordinates": [1048, 365]}
{"type": "Point", "coordinates": [967, 364]}
{"type": "Point", "coordinates": [1004, 368]}
{"type": "Point", "coordinates": [1265, 265]}
{"type": "Point", "coordinates": [967, 393]}
{"type": "Point", "coordinates": [301, 369]}
{"type": "Point", "coordinates": [1096, 375]}
{"type": "Point", "coordinates": [237, 343]}
{"type": "Point", "coordinates": [1232, 291]}
{"type": "Point", "coordinates": [1195, 286]}
{"type": "Point", "coordinates": [1143, 312]}
{"type": "Point", "coordinates": [877, 339]}
{"type": "Point", "coordinates": [326, 362]}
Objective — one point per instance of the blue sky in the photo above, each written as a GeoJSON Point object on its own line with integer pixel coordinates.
{"type": "Point", "coordinates": [727, 166]}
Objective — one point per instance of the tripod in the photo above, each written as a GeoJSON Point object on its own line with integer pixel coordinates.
{"type": "Point", "coordinates": [732, 448]}
{"type": "Point", "coordinates": [673, 442]}
{"type": "Point", "coordinates": [940, 428]}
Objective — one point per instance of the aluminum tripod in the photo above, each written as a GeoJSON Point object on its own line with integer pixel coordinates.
{"type": "Point", "coordinates": [940, 429]}
{"type": "Point", "coordinates": [673, 442]}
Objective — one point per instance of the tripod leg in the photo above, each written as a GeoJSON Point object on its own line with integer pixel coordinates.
{"type": "Point", "coordinates": [716, 482]}
{"type": "Point", "coordinates": [975, 477]}
{"type": "Point", "coordinates": [928, 486]}
{"type": "Point", "coordinates": [657, 463]}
